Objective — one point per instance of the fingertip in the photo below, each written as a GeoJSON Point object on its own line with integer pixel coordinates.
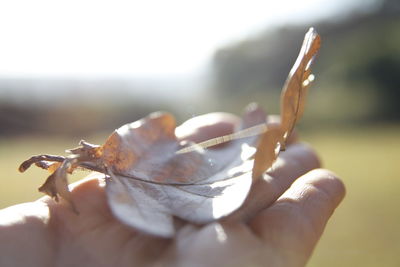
{"type": "Point", "coordinates": [320, 191]}
{"type": "Point", "coordinates": [253, 115]}
{"type": "Point", "coordinates": [329, 183]}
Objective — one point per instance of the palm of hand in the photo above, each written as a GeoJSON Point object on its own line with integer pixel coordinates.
{"type": "Point", "coordinates": [277, 226]}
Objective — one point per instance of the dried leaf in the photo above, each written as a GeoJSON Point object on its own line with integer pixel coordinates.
{"type": "Point", "coordinates": [42, 161]}
{"type": "Point", "coordinates": [153, 177]}
{"type": "Point", "coordinates": [57, 183]}
{"type": "Point", "coordinates": [295, 89]}
{"type": "Point", "coordinates": [267, 151]}
{"type": "Point", "coordinates": [151, 180]}
{"type": "Point", "coordinates": [198, 186]}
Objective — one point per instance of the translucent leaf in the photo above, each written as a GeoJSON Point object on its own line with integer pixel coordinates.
{"type": "Point", "coordinates": [295, 89]}
{"type": "Point", "coordinates": [197, 186]}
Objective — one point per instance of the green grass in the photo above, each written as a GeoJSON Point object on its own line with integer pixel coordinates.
{"type": "Point", "coordinates": [362, 232]}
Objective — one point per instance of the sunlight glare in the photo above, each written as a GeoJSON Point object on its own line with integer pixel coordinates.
{"type": "Point", "coordinates": [105, 37]}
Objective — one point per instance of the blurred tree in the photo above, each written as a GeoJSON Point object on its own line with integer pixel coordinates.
{"type": "Point", "coordinates": [256, 63]}
{"type": "Point", "coordinates": [360, 51]}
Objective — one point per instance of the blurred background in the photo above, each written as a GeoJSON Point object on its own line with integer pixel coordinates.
{"type": "Point", "coordinates": [72, 70]}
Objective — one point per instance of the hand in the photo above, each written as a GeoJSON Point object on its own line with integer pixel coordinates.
{"type": "Point", "coordinates": [278, 225]}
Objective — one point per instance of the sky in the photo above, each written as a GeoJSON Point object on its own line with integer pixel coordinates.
{"type": "Point", "coordinates": [77, 38]}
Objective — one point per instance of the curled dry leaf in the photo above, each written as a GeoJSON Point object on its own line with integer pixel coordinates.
{"type": "Point", "coordinates": [152, 177]}
{"type": "Point", "coordinates": [299, 79]}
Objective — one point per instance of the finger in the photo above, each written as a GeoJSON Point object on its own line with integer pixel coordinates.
{"type": "Point", "coordinates": [297, 160]}
{"type": "Point", "coordinates": [207, 126]}
{"type": "Point", "coordinates": [294, 224]}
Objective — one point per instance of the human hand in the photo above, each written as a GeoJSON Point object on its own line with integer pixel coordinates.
{"type": "Point", "coordinates": [278, 225]}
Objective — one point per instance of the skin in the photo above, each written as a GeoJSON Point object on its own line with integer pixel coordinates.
{"type": "Point", "coordinates": [279, 224]}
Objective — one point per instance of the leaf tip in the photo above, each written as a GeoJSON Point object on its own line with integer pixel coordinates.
{"type": "Point", "coordinates": [23, 167]}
